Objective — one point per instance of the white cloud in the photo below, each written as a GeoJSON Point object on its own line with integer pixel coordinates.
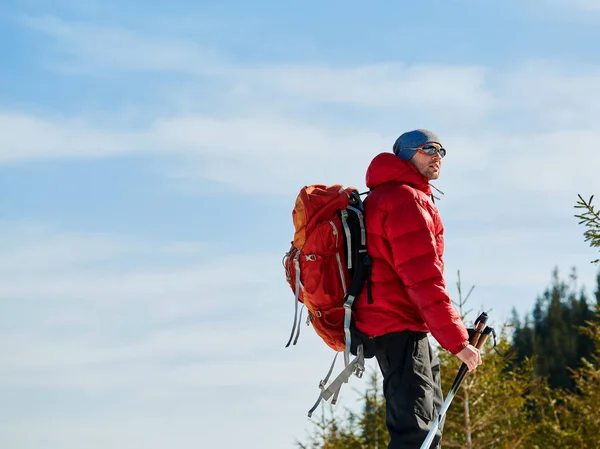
{"type": "Point", "coordinates": [63, 251]}
{"type": "Point", "coordinates": [508, 128]}
{"type": "Point", "coordinates": [203, 337]}
{"type": "Point", "coordinates": [89, 47]}
{"type": "Point", "coordinates": [27, 137]}
{"type": "Point", "coordinates": [106, 274]}
{"type": "Point", "coordinates": [288, 154]}
{"type": "Point", "coordinates": [503, 165]}
{"type": "Point", "coordinates": [440, 90]}
{"type": "Point", "coordinates": [426, 87]}
{"type": "Point", "coordinates": [583, 5]}
{"type": "Point", "coordinates": [554, 162]}
{"type": "Point", "coordinates": [229, 151]}
{"type": "Point", "coordinates": [551, 95]}
{"type": "Point", "coordinates": [217, 417]}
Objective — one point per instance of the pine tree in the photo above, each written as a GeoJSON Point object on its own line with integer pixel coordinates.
{"type": "Point", "coordinates": [489, 409]}
{"type": "Point", "coordinates": [493, 407]}
{"type": "Point", "coordinates": [591, 219]}
{"type": "Point", "coordinates": [597, 293]}
{"type": "Point", "coordinates": [373, 430]}
{"type": "Point", "coordinates": [577, 417]}
{"type": "Point", "coordinates": [582, 409]}
{"type": "Point", "coordinates": [331, 433]}
{"type": "Point", "coordinates": [551, 338]}
{"type": "Point", "coordinates": [523, 337]}
{"type": "Point", "coordinates": [570, 419]}
{"type": "Point", "coordinates": [365, 430]}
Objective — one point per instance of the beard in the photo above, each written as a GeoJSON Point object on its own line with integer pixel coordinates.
{"type": "Point", "coordinates": [427, 167]}
{"type": "Point", "coordinates": [432, 173]}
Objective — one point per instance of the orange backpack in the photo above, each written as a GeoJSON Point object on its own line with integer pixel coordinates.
{"type": "Point", "coordinates": [326, 268]}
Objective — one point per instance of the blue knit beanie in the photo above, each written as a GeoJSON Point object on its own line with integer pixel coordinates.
{"type": "Point", "coordinates": [405, 145]}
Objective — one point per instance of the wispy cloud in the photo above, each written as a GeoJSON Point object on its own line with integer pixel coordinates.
{"type": "Point", "coordinates": [583, 5]}
{"type": "Point", "coordinates": [420, 88]}
{"type": "Point", "coordinates": [291, 147]}
{"type": "Point", "coordinates": [148, 333]}
{"type": "Point", "coordinates": [109, 274]}
{"type": "Point", "coordinates": [427, 87]}
{"type": "Point", "coordinates": [231, 151]}
{"type": "Point", "coordinates": [273, 123]}
{"type": "Point", "coordinates": [27, 137]}
{"type": "Point", "coordinates": [227, 151]}
{"type": "Point", "coordinates": [84, 47]}
{"type": "Point", "coordinates": [548, 95]}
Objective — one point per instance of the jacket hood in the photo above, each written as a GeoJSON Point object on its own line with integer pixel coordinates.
{"type": "Point", "coordinates": [387, 167]}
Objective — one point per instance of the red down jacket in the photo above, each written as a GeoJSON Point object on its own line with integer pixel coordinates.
{"type": "Point", "coordinates": [405, 240]}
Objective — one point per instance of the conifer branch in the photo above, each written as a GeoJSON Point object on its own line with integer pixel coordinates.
{"type": "Point", "coordinates": [590, 218]}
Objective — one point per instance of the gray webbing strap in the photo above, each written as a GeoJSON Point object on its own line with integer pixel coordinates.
{"type": "Point", "coordinates": [348, 237]}
{"type": "Point", "coordinates": [357, 367]}
{"type": "Point", "coordinates": [297, 266]}
{"type": "Point", "coordinates": [324, 381]}
{"type": "Point", "coordinates": [347, 321]}
{"type": "Point", "coordinates": [299, 325]}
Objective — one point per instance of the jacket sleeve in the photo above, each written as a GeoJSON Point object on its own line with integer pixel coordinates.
{"type": "Point", "coordinates": [407, 226]}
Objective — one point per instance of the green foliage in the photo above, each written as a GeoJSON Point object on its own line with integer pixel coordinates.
{"type": "Point", "coordinates": [491, 407]}
{"type": "Point", "coordinates": [498, 406]}
{"type": "Point", "coordinates": [373, 431]}
{"type": "Point", "coordinates": [582, 417]}
{"type": "Point", "coordinates": [571, 419]}
{"type": "Point", "coordinates": [366, 430]}
{"type": "Point", "coordinates": [544, 393]}
{"type": "Point", "coordinates": [591, 219]}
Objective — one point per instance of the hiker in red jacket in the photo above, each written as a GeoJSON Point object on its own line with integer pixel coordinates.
{"type": "Point", "coordinates": [409, 296]}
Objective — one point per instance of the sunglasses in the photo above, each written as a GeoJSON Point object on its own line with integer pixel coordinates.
{"type": "Point", "coordinates": [430, 150]}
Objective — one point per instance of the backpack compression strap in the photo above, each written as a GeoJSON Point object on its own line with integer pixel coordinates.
{"type": "Point", "coordinates": [296, 320]}
{"type": "Point", "coordinates": [356, 366]}
{"type": "Point", "coordinates": [347, 322]}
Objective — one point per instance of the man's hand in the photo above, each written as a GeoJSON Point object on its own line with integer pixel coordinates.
{"type": "Point", "coordinates": [470, 356]}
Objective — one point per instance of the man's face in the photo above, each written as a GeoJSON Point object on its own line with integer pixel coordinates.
{"type": "Point", "coordinates": [428, 166]}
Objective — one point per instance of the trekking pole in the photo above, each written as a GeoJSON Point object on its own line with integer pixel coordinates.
{"type": "Point", "coordinates": [480, 329]}
{"type": "Point", "coordinates": [478, 340]}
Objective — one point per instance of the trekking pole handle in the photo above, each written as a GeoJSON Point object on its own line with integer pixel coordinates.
{"type": "Point", "coordinates": [477, 340]}
{"type": "Point", "coordinates": [462, 372]}
{"type": "Point", "coordinates": [480, 323]}
{"type": "Point", "coordinates": [484, 336]}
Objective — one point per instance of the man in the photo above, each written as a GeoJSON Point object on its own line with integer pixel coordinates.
{"type": "Point", "coordinates": [408, 293]}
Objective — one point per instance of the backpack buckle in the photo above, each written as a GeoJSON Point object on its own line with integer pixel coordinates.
{"type": "Point", "coordinates": [358, 372]}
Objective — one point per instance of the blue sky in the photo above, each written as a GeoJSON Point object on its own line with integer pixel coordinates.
{"type": "Point", "coordinates": [149, 161]}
